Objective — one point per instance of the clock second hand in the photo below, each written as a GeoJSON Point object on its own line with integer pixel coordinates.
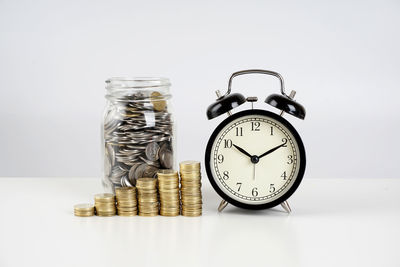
{"type": "Point", "coordinates": [254, 171]}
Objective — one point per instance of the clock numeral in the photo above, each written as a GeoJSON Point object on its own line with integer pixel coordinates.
{"type": "Point", "coordinates": [254, 192]}
{"type": "Point", "coordinates": [290, 159]}
{"type": "Point", "coordinates": [255, 126]}
{"type": "Point", "coordinates": [272, 130]}
{"type": "Point", "coordinates": [284, 175]}
{"type": "Point", "coordinates": [227, 143]}
{"type": "Point", "coordinates": [226, 175]}
{"type": "Point", "coordinates": [220, 158]}
{"type": "Point", "coordinates": [240, 186]}
{"type": "Point", "coordinates": [239, 131]}
{"type": "Point", "coordinates": [284, 140]}
{"type": "Point", "coordinates": [271, 188]}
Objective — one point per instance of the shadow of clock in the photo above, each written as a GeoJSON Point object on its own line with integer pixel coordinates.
{"type": "Point", "coordinates": [239, 211]}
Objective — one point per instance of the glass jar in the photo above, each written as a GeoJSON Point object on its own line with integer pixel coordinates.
{"type": "Point", "coordinates": [138, 130]}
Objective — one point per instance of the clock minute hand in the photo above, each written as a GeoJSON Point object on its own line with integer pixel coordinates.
{"type": "Point", "coordinates": [242, 150]}
{"type": "Point", "coordinates": [271, 150]}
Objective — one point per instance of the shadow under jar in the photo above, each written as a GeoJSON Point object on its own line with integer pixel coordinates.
{"type": "Point", "coordinates": [138, 130]}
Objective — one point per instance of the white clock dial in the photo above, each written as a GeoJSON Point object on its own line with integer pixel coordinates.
{"type": "Point", "coordinates": [276, 149]}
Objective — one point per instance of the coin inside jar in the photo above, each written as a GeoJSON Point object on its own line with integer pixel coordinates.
{"type": "Point", "coordinates": [152, 150]}
{"type": "Point", "coordinates": [158, 103]}
{"type": "Point", "coordinates": [137, 124]}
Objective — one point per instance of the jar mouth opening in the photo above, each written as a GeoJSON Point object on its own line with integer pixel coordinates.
{"type": "Point", "coordinates": [136, 82]}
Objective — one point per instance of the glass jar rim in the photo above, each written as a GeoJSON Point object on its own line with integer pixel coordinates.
{"type": "Point", "coordinates": [136, 82]}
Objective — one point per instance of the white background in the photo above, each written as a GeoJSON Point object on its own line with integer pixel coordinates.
{"type": "Point", "coordinates": [342, 58]}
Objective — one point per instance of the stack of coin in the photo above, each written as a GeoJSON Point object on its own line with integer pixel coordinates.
{"type": "Point", "coordinates": [126, 201]}
{"type": "Point", "coordinates": [147, 196]}
{"type": "Point", "coordinates": [168, 187]}
{"type": "Point", "coordinates": [191, 188]}
{"type": "Point", "coordinates": [105, 204]}
{"type": "Point", "coordinates": [84, 210]}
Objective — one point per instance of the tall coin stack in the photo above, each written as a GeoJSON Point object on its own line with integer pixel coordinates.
{"type": "Point", "coordinates": [168, 187]}
{"type": "Point", "coordinates": [147, 196]}
{"type": "Point", "coordinates": [191, 188]}
{"type": "Point", "coordinates": [105, 204]}
{"type": "Point", "coordinates": [126, 201]}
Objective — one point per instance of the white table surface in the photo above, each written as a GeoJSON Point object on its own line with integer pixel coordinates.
{"type": "Point", "coordinates": [335, 222]}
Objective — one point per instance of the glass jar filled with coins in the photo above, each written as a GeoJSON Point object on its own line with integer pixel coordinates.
{"type": "Point", "coordinates": [138, 130]}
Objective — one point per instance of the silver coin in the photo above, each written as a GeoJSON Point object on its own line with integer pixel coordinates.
{"type": "Point", "coordinates": [132, 173]}
{"type": "Point", "coordinates": [151, 151]}
{"type": "Point", "coordinates": [150, 162]}
{"type": "Point", "coordinates": [140, 170]}
{"type": "Point", "coordinates": [133, 131]}
{"type": "Point", "coordinates": [111, 153]}
{"type": "Point", "coordinates": [125, 181]}
{"type": "Point", "coordinates": [150, 171]}
{"type": "Point", "coordinates": [166, 155]}
{"type": "Point", "coordinates": [107, 164]}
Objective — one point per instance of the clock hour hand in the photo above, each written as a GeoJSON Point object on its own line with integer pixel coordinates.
{"type": "Point", "coordinates": [242, 150]}
{"type": "Point", "coordinates": [271, 150]}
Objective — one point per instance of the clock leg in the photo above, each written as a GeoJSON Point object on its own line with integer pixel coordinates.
{"type": "Point", "coordinates": [285, 205]}
{"type": "Point", "coordinates": [222, 205]}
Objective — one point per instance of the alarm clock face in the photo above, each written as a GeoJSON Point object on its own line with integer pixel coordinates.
{"type": "Point", "coordinates": [255, 159]}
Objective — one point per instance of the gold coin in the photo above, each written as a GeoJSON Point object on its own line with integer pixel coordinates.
{"type": "Point", "coordinates": [190, 179]}
{"type": "Point", "coordinates": [167, 173]}
{"type": "Point", "coordinates": [192, 200]}
{"type": "Point", "coordinates": [169, 201]}
{"type": "Point", "coordinates": [176, 208]}
{"type": "Point", "coordinates": [148, 210]}
{"type": "Point", "coordinates": [126, 213]}
{"type": "Point", "coordinates": [125, 190]}
{"type": "Point", "coordinates": [190, 191]}
{"type": "Point", "coordinates": [158, 101]}
{"type": "Point", "coordinates": [84, 207]}
{"type": "Point", "coordinates": [190, 176]}
{"type": "Point", "coordinates": [166, 187]}
{"type": "Point", "coordinates": [146, 182]}
{"type": "Point", "coordinates": [127, 205]}
{"type": "Point", "coordinates": [103, 205]}
{"type": "Point", "coordinates": [84, 214]}
{"type": "Point", "coordinates": [191, 214]}
{"type": "Point", "coordinates": [190, 185]}
{"type": "Point", "coordinates": [169, 197]}
{"type": "Point", "coordinates": [170, 204]}
{"type": "Point", "coordinates": [171, 190]}
{"type": "Point", "coordinates": [105, 197]}
{"type": "Point", "coordinates": [189, 165]}
{"type": "Point", "coordinates": [126, 201]}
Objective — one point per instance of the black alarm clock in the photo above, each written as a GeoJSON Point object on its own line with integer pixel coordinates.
{"type": "Point", "coordinates": [255, 159]}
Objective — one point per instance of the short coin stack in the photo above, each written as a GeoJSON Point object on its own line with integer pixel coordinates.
{"type": "Point", "coordinates": [147, 196]}
{"type": "Point", "coordinates": [105, 204]}
{"type": "Point", "coordinates": [168, 187]}
{"type": "Point", "coordinates": [84, 210]}
{"type": "Point", "coordinates": [191, 188]}
{"type": "Point", "coordinates": [126, 201]}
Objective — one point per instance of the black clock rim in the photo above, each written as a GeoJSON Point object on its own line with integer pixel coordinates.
{"type": "Point", "coordinates": [296, 183]}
